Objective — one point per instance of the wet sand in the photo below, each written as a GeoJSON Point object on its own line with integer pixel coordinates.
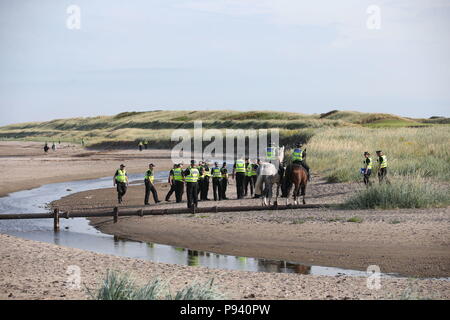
{"type": "Point", "coordinates": [409, 242]}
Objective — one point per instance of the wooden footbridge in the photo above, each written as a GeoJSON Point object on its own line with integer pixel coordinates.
{"type": "Point", "coordinates": [126, 212]}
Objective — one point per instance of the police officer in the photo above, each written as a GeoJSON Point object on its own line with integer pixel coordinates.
{"type": "Point", "coordinates": [140, 145]}
{"type": "Point", "coordinates": [224, 172]}
{"type": "Point", "coordinates": [206, 174]}
{"type": "Point", "coordinates": [191, 175]}
{"type": "Point", "coordinates": [382, 167]}
{"type": "Point", "coordinates": [299, 157]}
{"type": "Point", "coordinates": [217, 182]}
{"type": "Point", "coordinates": [249, 172]}
{"type": "Point", "coordinates": [368, 163]}
{"type": "Point", "coordinates": [121, 180]}
{"type": "Point", "coordinates": [171, 181]}
{"type": "Point", "coordinates": [239, 175]}
{"type": "Point", "coordinates": [149, 186]}
{"type": "Point", "coordinates": [200, 179]}
{"type": "Point", "coordinates": [179, 182]}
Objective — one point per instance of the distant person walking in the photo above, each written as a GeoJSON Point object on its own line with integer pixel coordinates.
{"type": "Point", "coordinates": [54, 146]}
{"type": "Point", "coordinates": [382, 167]}
{"type": "Point", "coordinates": [140, 145]}
{"type": "Point", "coordinates": [145, 144]}
{"type": "Point", "coordinates": [82, 142]}
{"type": "Point", "coordinates": [191, 175]}
{"type": "Point", "coordinates": [368, 164]}
{"type": "Point", "coordinates": [121, 180]}
{"type": "Point", "coordinates": [239, 176]}
{"type": "Point", "coordinates": [149, 185]}
{"type": "Point", "coordinates": [46, 148]}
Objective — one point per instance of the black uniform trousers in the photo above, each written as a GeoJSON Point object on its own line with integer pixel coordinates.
{"type": "Point", "coordinates": [121, 190]}
{"type": "Point", "coordinates": [224, 184]}
{"type": "Point", "coordinates": [192, 194]}
{"type": "Point", "coordinates": [204, 188]}
{"type": "Point", "coordinates": [249, 181]}
{"type": "Point", "coordinates": [150, 187]}
{"type": "Point", "coordinates": [217, 188]}
{"type": "Point", "coordinates": [240, 180]}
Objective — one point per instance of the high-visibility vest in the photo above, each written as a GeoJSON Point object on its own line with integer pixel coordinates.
{"type": "Point", "coordinates": [253, 170]}
{"type": "Point", "coordinates": [383, 163]}
{"type": "Point", "coordinates": [224, 172]}
{"type": "Point", "coordinates": [240, 166]}
{"type": "Point", "coordinates": [178, 174]}
{"type": "Point", "coordinates": [216, 172]}
{"type": "Point", "coordinates": [248, 171]}
{"type": "Point", "coordinates": [270, 153]}
{"type": "Point", "coordinates": [121, 176]}
{"type": "Point", "coordinates": [149, 175]}
{"type": "Point", "coordinates": [297, 154]}
{"type": "Point", "coordinates": [369, 165]}
{"type": "Point", "coordinates": [207, 172]}
{"type": "Point", "coordinates": [193, 175]}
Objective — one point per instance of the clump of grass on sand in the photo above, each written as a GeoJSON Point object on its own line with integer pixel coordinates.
{"type": "Point", "coordinates": [401, 193]}
{"type": "Point", "coordinates": [118, 286]}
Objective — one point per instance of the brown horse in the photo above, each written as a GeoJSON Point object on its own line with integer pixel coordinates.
{"type": "Point", "coordinates": [299, 178]}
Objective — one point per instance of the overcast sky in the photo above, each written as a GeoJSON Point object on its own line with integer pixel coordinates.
{"type": "Point", "coordinates": [281, 55]}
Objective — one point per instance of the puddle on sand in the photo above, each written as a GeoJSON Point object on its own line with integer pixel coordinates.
{"type": "Point", "coordinates": [77, 233]}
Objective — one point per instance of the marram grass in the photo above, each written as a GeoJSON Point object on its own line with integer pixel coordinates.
{"type": "Point", "coordinates": [402, 192]}
{"type": "Point", "coordinates": [120, 286]}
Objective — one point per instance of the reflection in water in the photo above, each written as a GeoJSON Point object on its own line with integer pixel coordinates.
{"type": "Point", "coordinates": [77, 233]}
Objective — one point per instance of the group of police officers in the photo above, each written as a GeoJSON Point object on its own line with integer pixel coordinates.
{"type": "Point", "coordinates": [197, 178]}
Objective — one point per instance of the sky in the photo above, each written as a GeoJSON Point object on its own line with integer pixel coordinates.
{"type": "Point", "coordinates": [389, 56]}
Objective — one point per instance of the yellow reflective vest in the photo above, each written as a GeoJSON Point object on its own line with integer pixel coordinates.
{"type": "Point", "coordinates": [149, 175]}
{"type": "Point", "coordinates": [121, 175]}
{"type": "Point", "coordinates": [216, 172]}
{"type": "Point", "coordinates": [240, 166]}
{"type": "Point", "coordinates": [193, 175]}
{"type": "Point", "coordinates": [297, 154]}
{"type": "Point", "coordinates": [178, 174]}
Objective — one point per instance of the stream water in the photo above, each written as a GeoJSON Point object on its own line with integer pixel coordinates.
{"type": "Point", "coordinates": [77, 233]}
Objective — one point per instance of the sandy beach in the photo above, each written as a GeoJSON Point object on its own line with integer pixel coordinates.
{"type": "Point", "coordinates": [34, 270]}
{"type": "Point", "coordinates": [414, 243]}
{"type": "Point", "coordinates": [29, 167]}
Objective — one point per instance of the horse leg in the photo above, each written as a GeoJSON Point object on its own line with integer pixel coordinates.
{"type": "Point", "coordinates": [277, 194]}
{"type": "Point", "coordinates": [296, 191]}
{"type": "Point", "coordinates": [304, 192]}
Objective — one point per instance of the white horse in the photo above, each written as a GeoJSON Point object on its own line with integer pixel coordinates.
{"type": "Point", "coordinates": [268, 175]}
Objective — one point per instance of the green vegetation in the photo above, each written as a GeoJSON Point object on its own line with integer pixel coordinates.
{"type": "Point", "coordinates": [355, 220]}
{"type": "Point", "coordinates": [421, 151]}
{"type": "Point", "coordinates": [400, 193]}
{"type": "Point", "coordinates": [117, 286]}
